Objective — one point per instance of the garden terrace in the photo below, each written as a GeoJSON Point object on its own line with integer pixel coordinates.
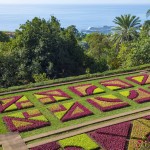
{"type": "Point", "coordinates": [110, 112]}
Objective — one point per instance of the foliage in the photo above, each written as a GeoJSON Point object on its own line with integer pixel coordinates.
{"type": "Point", "coordinates": [41, 50]}
{"type": "Point", "coordinates": [4, 37]}
{"type": "Point", "coordinates": [134, 53]}
{"type": "Point", "coordinates": [140, 52]}
{"type": "Point", "coordinates": [40, 77]}
{"type": "Point", "coordinates": [75, 78]}
{"type": "Point", "coordinates": [44, 47]}
{"type": "Point", "coordinates": [8, 66]}
{"type": "Point", "coordinates": [127, 28]}
{"type": "Point", "coordinates": [148, 13]}
{"type": "Point", "coordinates": [98, 45]}
{"type": "Point", "coordinates": [146, 29]}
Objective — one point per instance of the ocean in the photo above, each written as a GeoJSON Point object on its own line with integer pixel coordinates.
{"type": "Point", "coordinates": [82, 16]}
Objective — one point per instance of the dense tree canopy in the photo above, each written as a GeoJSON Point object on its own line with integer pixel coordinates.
{"type": "Point", "coordinates": [44, 47]}
{"type": "Point", "coordinates": [41, 50]}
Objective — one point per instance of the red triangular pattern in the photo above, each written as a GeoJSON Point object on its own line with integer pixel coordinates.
{"type": "Point", "coordinates": [69, 115]}
{"type": "Point", "coordinates": [48, 146]}
{"type": "Point", "coordinates": [120, 129]}
{"type": "Point", "coordinates": [109, 142]}
{"type": "Point", "coordinates": [131, 78]}
{"type": "Point", "coordinates": [35, 124]}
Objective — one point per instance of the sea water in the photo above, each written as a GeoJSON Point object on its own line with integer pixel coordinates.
{"type": "Point", "coordinates": [82, 16]}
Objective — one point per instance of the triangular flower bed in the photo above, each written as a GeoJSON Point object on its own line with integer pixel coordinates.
{"type": "Point", "coordinates": [52, 96]}
{"type": "Point", "coordinates": [107, 102]}
{"type": "Point", "coordinates": [25, 121]}
{"type": "Point", "coordinates": [86, 89]}
{"type": "Point", "coordinates": [70, 111]}
{"type": "Point", "coordinates": [14, 103]}
{"type": "Point", "coordinates": [141, 79]}
{"type": "Point", "coordinates": [116, 84]}
{"type": "Point", "coordinates": [121, 129]}
{"type": "Point", "coordinates": [109, 142]}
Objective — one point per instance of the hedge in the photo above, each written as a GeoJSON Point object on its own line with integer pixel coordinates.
{"type": "Point", "coordinates": [74, 78]}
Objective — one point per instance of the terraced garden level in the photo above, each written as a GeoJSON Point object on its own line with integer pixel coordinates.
{"type": "Point", "coordinates": [66, 107]}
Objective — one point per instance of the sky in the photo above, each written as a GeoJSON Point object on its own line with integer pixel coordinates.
{"type": "Point", "coordinates": [75, 2]}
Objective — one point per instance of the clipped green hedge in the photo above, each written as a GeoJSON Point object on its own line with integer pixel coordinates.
{"type": "Point", "coordinates": [75, 78]}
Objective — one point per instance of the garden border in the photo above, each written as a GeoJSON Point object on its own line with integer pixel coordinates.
{"type": "Point", "coordinates": [71, 82]}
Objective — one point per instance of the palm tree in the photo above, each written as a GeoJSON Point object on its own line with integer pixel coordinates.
{"type": "Point", "coordinates": [148, 13]}
{"type": "Point", "coordinates": [126, 29]}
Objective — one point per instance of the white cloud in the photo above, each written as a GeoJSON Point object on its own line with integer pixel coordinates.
{"type": "Point", "coordinates": [75, 1]}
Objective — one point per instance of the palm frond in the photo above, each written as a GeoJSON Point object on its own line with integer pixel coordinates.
{"type": "Point", "coordinates": [127, 27]}
{"type": "Point", "coordinates": [148, 13]}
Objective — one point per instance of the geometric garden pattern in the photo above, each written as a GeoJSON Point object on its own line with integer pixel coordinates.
{"type": "Point", "coordinates": [69, 111]}
{"type": "Point", "coordinates": [77, 103]}
{"type": "Point", "coordinates": [138, 95]}
{"type": "Point", "coordinates": [25, 121]}
{"type": "Point", "coordinates": [85, 90]}
{"type": "Point", "coordinates": [52, 96]}
{"type": "Point", "coordinates": [123, 136]}
{"type": "Point", "coordinates": [141, 79]}
{"type": "Point", "coordinates": [107, 102]}
{"type": "Point", "coordinates": [116, 84]}
{"type": "Point", "coordinates": [14, 103]}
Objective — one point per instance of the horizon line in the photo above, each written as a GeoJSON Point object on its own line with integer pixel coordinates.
{"type": "Point", "coordinates": [75, 3]}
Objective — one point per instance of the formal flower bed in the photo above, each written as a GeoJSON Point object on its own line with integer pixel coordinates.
{"type": "Point", "coordinates": [140, 129]}
{"type": "Point", "coordinates": [78, 142]}
{"type": "Point", "coordinates": [116, 84]}
{"type": "Point", "coordinates": [141, 79]}
{"type": "Point", "coordinates": [52, 96]}
{"type": "Point", "coordinates": [86, 89]}
{"type": "Point", "coordinates": [107, 102]}
{"type": "Point", "coordinates": [14, 103]}
{"type": "Point", "coordinates": [69, 111]}
{"type": "Point", "coordinates": [25, 121]}
{"type": "Point", "coordinates": [120, 129]}
{"type": "Point", "coordinates": [134, 144]}
{"type": "Point", "coordinates": [138, 95]}
{"type": "Point", "coordinates": [114, 137]}
{"type": "Point", "coordinates": [109, 142]}
{"type": "Point", "coordinates": [49, 146]}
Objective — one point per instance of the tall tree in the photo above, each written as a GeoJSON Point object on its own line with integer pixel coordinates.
{"type": "Point", "coordinates": [126, 29]}
{"type": "Point", "coordinates": [44, 47]}
{"type": "Point", "coordinates": [98, 47]}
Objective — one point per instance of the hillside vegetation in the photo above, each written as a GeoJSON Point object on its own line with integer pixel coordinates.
{"type": "Point", "coordinates": [41, 50]}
